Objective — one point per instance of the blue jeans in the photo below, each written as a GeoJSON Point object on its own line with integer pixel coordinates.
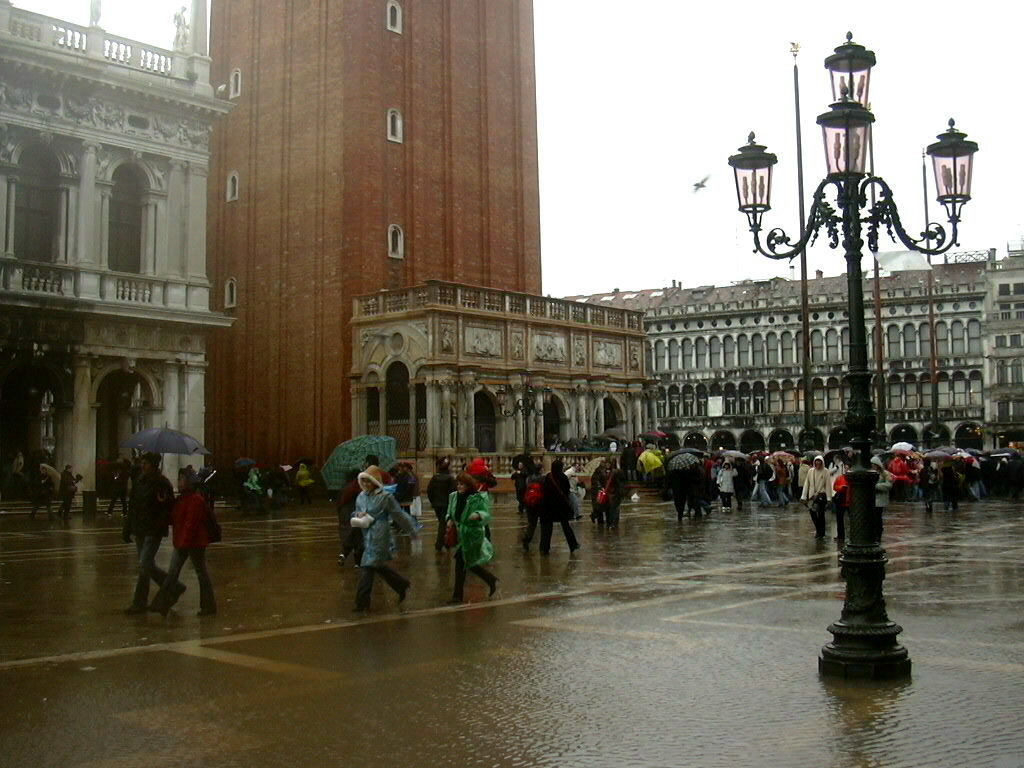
{"type": "Point", "coordinates": [761, 493]}
{"type": "Point", "coordinates": [167, 596]}
{"type": "Point", "coordinates": [146, 547]}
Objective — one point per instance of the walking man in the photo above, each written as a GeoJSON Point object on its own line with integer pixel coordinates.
{"type": "Point", "coordinates": [149, 510]}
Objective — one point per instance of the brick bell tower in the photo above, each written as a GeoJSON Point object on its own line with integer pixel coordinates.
{"type": "Point", "coordinates": [373, 144]}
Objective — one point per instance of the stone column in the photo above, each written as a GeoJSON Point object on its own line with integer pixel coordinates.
{"type": "Point", "coordinates": [86, 251]}
{"type": "Point", "coordinates": [195, 216]}
{"type": "Point", "coordinates": [83, 426]}
{"type": "Point", "coordinates": [467, 393]}
{"type": "Point", "coordinates": [193, 406]}
{"type": "Point", "coordinates": [413, 425]}
{"type": "Point", "coordinates": [176, 263]}
{"type": "Point", "coordinates": [357, 399]}
{"type": "Point", "coordinates": [538, 419]}
{"type": "Point", "coordinates": [149, 238]}
{"type": "Point", "coordinates": [433, 415]}
{"type": "Point", "coordinates": [581, 411]}
{"type": "Point", "coordinates": [382, 410]}
{"type": "Point", "coordinates": [3, 210]}
{"type": "Point", "coordinates": [446, 414]}
{"type": "Point", "coordinates": [63, 224]}
{"type": "Point", "coordinates": [104, 249]}
{"type": "Point", "coordinates": [172, 389]}
{"type": "Point", "coordinates": [598, 411]}
{"type": "Point", "coordinates": [12, 194]}
{"type": "Point", "coordinates": [163, 262]}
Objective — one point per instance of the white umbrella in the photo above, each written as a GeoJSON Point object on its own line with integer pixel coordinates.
{"type": "Point", "coordinates": [902, 261]}
{"type": "Point", "coordinates": [902, 447]}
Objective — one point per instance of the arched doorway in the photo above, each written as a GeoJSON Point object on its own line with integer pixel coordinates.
{"type": "Point", "coordinates": [723, 440]}
{"type": "Point", "coordinates": [839, 437]}
{"type": "Point", "coordinates": [554, 421]}
{"type": "Point", "coordinates": [751, 441]}
{"type": "Point", "coordinates": [904, 433]}
{"type": "Point", "coordinates": [969, 435]}
{"type": "Point", "coordinates": [695, 440]}
{"type": "Point", "coordinates": [122, 398]}
{"type": "Point", "coordinates": [936, 435]}
{"type": "Point", "coordinates": [396, 405]}
{"type": "Point", "coordinates": [29, 399]}
{"type": "Point", "coordinates": [612, 415]}
{"type": "Point", "coordinates": [484, 423]}
{"type": "Point", "coordinates": [810, 440]}
{"type": "Point", "coordinates": [780, 439]}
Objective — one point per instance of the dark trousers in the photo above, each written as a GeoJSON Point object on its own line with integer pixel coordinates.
{"type": "Point", "coordinates": [353, 542]}
{"type": "Point", "coordinates": [876, 524]}
{"type": "Point", "coordinates": [532, 516]}
{"type": "Point", "coordinates": [726, 499]}
{"type": "Point", "coordinates": [122, 494]}
{"type": "Point", "coordinates": [304, 494]}
{"type": "Point", "coordinates": [547, 525]}
{"type": "Point", "coordinates": [65, 507]}
{"type": "Point", "coordinates": [441, 513]}
{"type": "Point", "coordinates": [168, 595]}
{"type": "Point", "coordinates": [146, 547]}
{"type": "Point", "coordinates": [365, 587]}
{"type": "Point", "coordinates": [817, 510]}
{"type": "Point", "coordinates": [680, 490]}
{"type": "Point", "coordinates": [460, 575]}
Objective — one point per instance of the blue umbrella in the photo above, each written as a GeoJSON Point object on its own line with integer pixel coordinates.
{"type": "Point", "coordinates": [243, 463]}
{"type": "Point", "coordinates": [164, 440]}
{"type": "Point", "coordinates": [351, 454]}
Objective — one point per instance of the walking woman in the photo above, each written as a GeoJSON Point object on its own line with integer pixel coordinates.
{"type": "Point", "coordinates": [556, 508]}
{"type": "Point", "coordinates": [469, 512]}
{"type": "Point", "coordinates": [190, 518]}
{"type": "Point", "coordinates": [608, 489]}
{"type": "Point", "coordinates": [439, 490]}
{"type": "Point", "coordinates": [376, 509]}
{"type": "Point", "coordinates": [726, 484]}
{"type": "Point", "coordinates": [817, 493]}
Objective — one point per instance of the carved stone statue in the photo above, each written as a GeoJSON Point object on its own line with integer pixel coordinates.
{"type": "Point", "coordinates": [94, 13]}
{"type": "Point", "coordinates": [181, 33]}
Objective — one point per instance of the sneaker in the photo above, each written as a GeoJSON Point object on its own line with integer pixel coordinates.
{"type": "Point", "coordinates": [341, 559]}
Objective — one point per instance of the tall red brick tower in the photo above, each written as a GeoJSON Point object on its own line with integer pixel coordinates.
{"type": "Point", "coordinates": [373, 144]}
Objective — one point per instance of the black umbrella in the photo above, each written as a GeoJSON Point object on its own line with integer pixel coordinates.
{"type": "Point", "coordinates": [164, 440]}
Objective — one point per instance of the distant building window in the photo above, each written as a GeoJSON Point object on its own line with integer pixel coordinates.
{"type": "Point", "coordinates": [396, 242]}
{"type": "Point", "coordinates": [395, 17]}
{"type": "Point", "coordinates": [230, 293]}
{"type": "Point", "coordinates": [1004, 289]}
{"type": "Point", "coordinates": [395, 128]}
{"type": "Point", "coordinates": [1000, 341]}
{"type": "Point", "coordinates": [235, 84]}
{"type": "Point", "coordinates": [124, 243]}
{"type": "Point", "coordinates": [231, 193]}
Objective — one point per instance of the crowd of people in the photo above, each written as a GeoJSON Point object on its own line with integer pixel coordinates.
{"type": "Point", "coordinates": [377, 504]}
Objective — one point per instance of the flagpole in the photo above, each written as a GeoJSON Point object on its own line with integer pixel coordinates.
{"type": "Point", "coordinates": [794, 48]}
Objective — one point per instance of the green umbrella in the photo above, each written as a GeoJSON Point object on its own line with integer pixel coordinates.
{"type": "Point", "coordinates": [351, 455]}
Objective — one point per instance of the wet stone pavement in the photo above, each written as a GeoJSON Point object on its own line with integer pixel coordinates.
{"type": "Point", "coordinates": [658, 644]}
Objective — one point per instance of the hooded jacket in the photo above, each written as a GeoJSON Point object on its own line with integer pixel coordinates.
{"type": "Point", "coordinates": [818, 480]}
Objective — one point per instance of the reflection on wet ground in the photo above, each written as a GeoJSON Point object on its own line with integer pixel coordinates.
{"type": "Point", "coordinates": [659, 644]}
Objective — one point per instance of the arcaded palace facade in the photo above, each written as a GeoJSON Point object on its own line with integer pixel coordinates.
{"type": "Point", "coordinates": [104, 297]}
{"type": "Point", "coordinates": [728, 358]}
{"type": "Point", "coordinates": [447, 368]}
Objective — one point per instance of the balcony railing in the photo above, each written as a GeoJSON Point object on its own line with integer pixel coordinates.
{"type": "Point", "coordinates": [498, 302]}
{"type": "Point", "coordinates": [26, 279]}
{"type": "Point", "coordinates": [94, 43]}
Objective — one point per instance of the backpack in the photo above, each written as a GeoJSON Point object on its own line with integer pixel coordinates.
{"type": "Point", "coordinates": [533, 496]}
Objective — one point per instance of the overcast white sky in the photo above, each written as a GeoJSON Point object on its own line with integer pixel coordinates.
{"type": "Point", "coordinates": [638, 99]}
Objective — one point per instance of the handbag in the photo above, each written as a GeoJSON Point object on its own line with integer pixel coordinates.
{"type": "Point", "coordinates": [451, 537]}
{"type": "Point", "coordinates": [602, 494]}
{"type": "Point", "coordinates": [213, 529]}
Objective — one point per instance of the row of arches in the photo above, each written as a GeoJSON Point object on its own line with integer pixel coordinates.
{"type": "Point", "coordinates": [38, 186]}
{"type": "Point", "coordinates": [786, 396]}
{"type": "Point", "coordinates": [966, 435]}
{"type": "Point", "coordinates": [829, 345]}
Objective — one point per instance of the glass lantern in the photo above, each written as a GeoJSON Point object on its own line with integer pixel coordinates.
{"type": "Point", "coordinates": [845, 131]}
{"type": "Point", "coordinates": [953, 162]}
{"type": "Point", "coordinates": [850, 70]}
{"type": "Point", "coordinates": [752, 168]}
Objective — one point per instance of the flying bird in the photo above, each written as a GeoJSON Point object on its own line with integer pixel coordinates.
{"type": "Point", "coordinates": [701, 184]}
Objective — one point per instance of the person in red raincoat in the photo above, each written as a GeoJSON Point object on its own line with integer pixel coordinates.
{"type": "Point", "coordinates": [902, 478]}
{"type": "Point", "coordinates": [190, 518]}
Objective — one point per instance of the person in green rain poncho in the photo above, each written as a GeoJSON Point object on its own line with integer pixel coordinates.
{"type": "Point", "coordinates": [469, 514]}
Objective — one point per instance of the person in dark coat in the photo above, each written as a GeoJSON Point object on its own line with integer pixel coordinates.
{"type": "Point", "coordinates": [609, 479]}
{"type": "Point", "coordinates": [556, 508]}
{"type": "Point", "coordinates": [440, 487]}
{"type": "Point", "coordinates": [149, 510]}
{"type": "Point", "coordinates": [519, 478]}
{"type": "Point", "coordinates": [951, 480]}
{"type": "Point", "coordinates": [122, 472]}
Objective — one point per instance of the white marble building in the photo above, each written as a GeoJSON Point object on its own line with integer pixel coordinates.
{"type": "Point", "coordinates": [104, 297]}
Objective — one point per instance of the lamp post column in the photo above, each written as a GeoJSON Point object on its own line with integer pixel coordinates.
{"type": "Point", "coordinates": [864, 639]}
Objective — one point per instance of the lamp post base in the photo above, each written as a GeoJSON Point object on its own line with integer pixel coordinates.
{"type": "Point", "coordinates": [864, 654]}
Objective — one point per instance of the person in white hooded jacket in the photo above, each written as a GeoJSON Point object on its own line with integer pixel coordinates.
{"type": "Point", "coordinates": [817, 493]}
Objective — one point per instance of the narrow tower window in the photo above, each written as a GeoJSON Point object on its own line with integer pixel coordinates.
{"type": "Point", "coordinates": [395, 131]}
{"type": "Point", "coordinates": [232, 187]}
{"type": "Point", "coordinates": [230, 293]}
{"type": "Point", "coordinates": [235, 87]}
{"type": "Point", "coordinates": [395, 17]}
{"type": "Point", "coordinates": [396, 242]}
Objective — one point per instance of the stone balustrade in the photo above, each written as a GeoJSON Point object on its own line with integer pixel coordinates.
{"type": "Point", "coordinates": [95, 43]}
{"type": "Point", "coordinates": [27, 279]}
{"type": "Point", "coordinates": [465, 297]}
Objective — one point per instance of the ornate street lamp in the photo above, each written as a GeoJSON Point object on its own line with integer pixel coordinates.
{"type": "Point", "coordinates": [526, 405]}
{"type": "Point", "coordinates": [864, 639]}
